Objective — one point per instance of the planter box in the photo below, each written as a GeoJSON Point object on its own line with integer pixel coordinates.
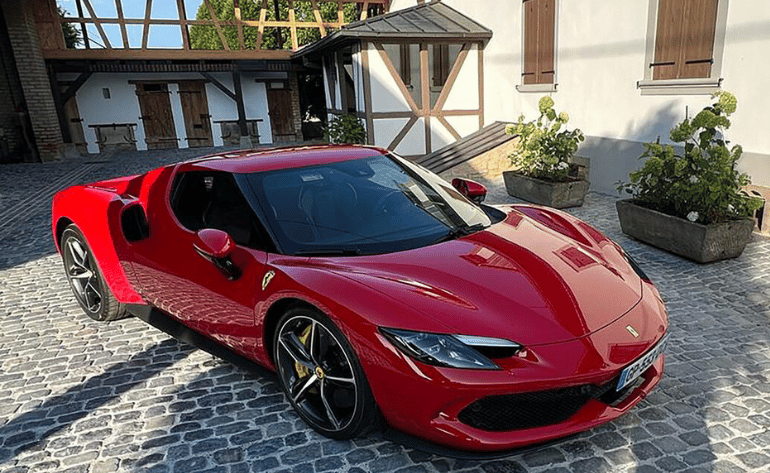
{"type": "Point", "coordinates": [558, 195]}
{"type": "Point", "coordinates": [698, 242]}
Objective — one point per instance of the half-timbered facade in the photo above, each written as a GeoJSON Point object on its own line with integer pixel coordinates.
{"type": "Point", "coordinates": [415, 77]}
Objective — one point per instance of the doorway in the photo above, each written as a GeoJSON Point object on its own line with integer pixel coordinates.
{"type": "Point", "coordinates": [155, 105]}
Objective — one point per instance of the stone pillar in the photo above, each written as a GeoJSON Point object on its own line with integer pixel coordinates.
{"type": "Point", "coordinates": [22, 32]}
{"type": "Point", "coordinates": [296, 113]}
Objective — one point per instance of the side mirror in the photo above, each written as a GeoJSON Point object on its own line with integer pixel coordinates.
{"type": "Point", "coordinates": [472, 190]}
{"type": "Point", "coordinates": [216, 246]}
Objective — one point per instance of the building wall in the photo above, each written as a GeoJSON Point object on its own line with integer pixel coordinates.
{"type": "Point", "coordinates": [123, 104]}
{"type": "Point", "coordinates": [601, 49]}
{"type": "Point", "coordinates": [11, 96]}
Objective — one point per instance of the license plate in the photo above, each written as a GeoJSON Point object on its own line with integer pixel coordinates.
{"type": "Point", "coordinates": [633, 371]}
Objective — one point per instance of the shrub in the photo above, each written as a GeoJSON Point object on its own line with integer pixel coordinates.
{"type": "Point", "coordinates": [702, 184]}
{"type": "Point", "coordinates": [544, 151]}
{"type": "Point", "coordinates": [345, 129]}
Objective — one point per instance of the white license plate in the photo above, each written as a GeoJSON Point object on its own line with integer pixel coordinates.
{"type": "Point", "coordinates": [633, 371]}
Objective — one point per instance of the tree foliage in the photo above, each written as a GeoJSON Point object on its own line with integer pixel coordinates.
{"type": "Point", "coordinates": [71, 34]}
{"type": "Point", "coordinates": [207, 37]}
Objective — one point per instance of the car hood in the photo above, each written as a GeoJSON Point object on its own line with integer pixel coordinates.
{"type": "Point", "coordinates": [519, 279]}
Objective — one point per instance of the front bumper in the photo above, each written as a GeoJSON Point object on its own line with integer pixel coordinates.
{"type": "Point", "coordinates": [433, 403]}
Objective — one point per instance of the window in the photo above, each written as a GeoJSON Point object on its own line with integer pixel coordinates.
{"type": "Point", "coordinates": [539, 30]}
{"type": "Point", "coordinates": [684, 40]}
{"type": "Point", "coordinates": [684, 46]}
{"type": "Point", "coordinates": [213, 200]}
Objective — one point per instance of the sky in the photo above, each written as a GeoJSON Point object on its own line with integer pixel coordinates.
{"type": "Point", "coordinates": [160, 36]}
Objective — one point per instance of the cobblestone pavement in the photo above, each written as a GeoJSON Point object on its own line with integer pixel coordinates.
{"type": "Point", "coordinates": [79, 396]}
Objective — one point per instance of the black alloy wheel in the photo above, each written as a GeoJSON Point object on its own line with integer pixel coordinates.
{"type": "Point", "coordinates": [86, 280]}
{"type": "Point", "coordinates": [321, 375]}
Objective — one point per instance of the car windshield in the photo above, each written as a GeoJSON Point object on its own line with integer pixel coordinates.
{"type": "Point", "coordinates": [372, 205]}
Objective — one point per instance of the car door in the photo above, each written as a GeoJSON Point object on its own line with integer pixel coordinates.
{"type": "Point", "coordinates": [174, 277]}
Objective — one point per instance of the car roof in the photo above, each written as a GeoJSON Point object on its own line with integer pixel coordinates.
{"type": "Point", "coordinates": [248, 161]}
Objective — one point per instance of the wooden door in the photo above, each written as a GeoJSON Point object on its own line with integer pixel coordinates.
{"type": "Point", "coordinates": [195, 107]}
{"type": "Point", "coordinates": [279, 109]}
{"type": "Point", "coordinates": [159, 132]}
{"type": "Point", "coordinates": [75, 124]}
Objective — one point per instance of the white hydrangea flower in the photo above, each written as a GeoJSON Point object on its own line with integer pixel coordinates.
{"type": "Point", "coordinates": [693, 179]}
{"type": "Point", "coordinates": [563, 165]}
{"type": "Point", "coordinates": [692, 216]}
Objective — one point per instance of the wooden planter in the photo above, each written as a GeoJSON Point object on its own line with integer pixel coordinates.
{"type": "Point", "coordinates": [698, 242]}
{"type": "Point", "coordinates": [558, 195]}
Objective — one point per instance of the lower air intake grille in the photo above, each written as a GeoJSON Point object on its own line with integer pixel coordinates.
{"type": "Point", "coordinates": [529, 410]}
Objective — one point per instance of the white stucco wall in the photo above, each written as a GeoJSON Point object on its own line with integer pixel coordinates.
{"type": "Point", "coordinates": [386, 96]}
{"type": "Point", "coordinates": [123, 104]}
{"type": "Point", "coordinates": [600, 57]}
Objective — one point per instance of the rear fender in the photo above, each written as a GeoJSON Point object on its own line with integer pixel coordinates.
{"type": "Point", "coordinates": [96, 211]}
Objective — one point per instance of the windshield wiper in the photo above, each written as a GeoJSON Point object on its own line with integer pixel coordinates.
{"type": "Point", "coordinates": [458, 232]}
{"type": "Point", "coordinates": [329, 252]}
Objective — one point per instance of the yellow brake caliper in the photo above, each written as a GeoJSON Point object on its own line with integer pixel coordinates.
{"type": "Point", "coordinates": [303, 371]}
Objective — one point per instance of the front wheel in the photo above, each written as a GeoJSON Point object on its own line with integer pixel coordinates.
{"type": "Point", "coordinates": [86, 280]}
{"type": "Point", "coordinates": [321, 376]}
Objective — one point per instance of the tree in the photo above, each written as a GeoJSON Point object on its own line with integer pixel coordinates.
{"type": "Point", "coordinates": [207, 37]}
{"type": "Point", "coordinates": [71, 34]}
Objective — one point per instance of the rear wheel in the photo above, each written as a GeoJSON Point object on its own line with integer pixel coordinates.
{"type": "Point", "coordinates": [86, 280]}
{"type": "Point", "coordinates": [321, 376]}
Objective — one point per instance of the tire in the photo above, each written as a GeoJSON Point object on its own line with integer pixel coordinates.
{"type": "Point", "coordinates": [321, 376]}
{"type": "Point", "coordinates": [86, 279]}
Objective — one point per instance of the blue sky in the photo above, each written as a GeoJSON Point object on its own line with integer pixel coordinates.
{"type": "Point", "coordinates": [161, 36]}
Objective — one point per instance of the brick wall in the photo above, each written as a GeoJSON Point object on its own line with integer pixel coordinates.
{"type": "Point", "coordinates": [34, 77]}
{"type": "Point", "coordinates": [11, 139]}
{"type": "Point", "coordinates": [295, 108]}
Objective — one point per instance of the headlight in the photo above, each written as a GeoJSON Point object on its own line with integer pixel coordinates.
{"type": "Point", "coordinates": [454, 351]}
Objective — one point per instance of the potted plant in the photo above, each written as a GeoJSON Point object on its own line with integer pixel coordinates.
{"type": "Point", "coordinates": [544, 174]}
{"type": "Point", "coordinates": [346, 129]}
{"type": "Point", "coordinates": [689, 203]}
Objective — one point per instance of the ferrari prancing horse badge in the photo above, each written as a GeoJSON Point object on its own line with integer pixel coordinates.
{"type": "Point", "coordinates": [267, 278]}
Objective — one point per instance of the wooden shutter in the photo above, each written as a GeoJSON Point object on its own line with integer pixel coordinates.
{"type": "Point", "coordinates": [529, 76]}
{"type": "Point", "coordinates": [539, 40]}
{"type": "Point", "coordinates": [698, 39]}
{"type": "Point", "coordinates": [405, 61]}
{"type": "Point", "coordinates": [684, 39]}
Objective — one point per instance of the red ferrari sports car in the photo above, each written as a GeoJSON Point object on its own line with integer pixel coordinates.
{"type": "Point", "coordinates": [376, 291]}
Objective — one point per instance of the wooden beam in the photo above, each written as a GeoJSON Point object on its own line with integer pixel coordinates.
{"type": "Point", "coordinates": [239, 103]}
{"type": "Point", "coordinates": [458, 113]}
{"type": "Point", "coordinates": [166, 54]}
{"type": "Point", "coordinates": [367, 93]}
{"type": "Point", "coordinates": [83, 29]}
{"type": "Point", "coordinates": [98, 24]}
{"type": "Point", "coordinates": [318, 18]}
{"type": "Point", "coordinates": [123, 32]}
{"type": "Point", "coordinates": [365, 10]}
{"type": "Point", "coordinates": [401, 134]}
{"type": "Point", "coordinates": [340, 12]}
{"type": "Point", "coordinates": [449, 127]}
{"type": "Point", "coordinates": [217, 25]}
{"type": "Point", "coordinates": [72, 89]}
{"type": "Point", "coordinates": [239, 19]}
{"type": "Point", "coordinates": [480, 51]}
{"type": "Point", "coordinates": [425, 85]}
{"type": "Point", "coordinates": [397, 78]}
{"type": "Point", "coordinates": [261, 24]}
{"type": "Point", "coordinates": [146, 29]}
{"type": "Point", "coordinates": [59, 105]}
{"type": "Point", "coordinates": [293, 26]}
{"type": "Point", "coordinates": [219, 85]}
{"type": "Point", "coordinates": [451, 77]}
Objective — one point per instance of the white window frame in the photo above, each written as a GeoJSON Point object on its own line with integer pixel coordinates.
{"type": "Point", "coordinates": [689, 86]}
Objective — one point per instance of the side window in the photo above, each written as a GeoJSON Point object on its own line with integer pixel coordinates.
{"type": "Point", "coordinates": [202, 199]}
